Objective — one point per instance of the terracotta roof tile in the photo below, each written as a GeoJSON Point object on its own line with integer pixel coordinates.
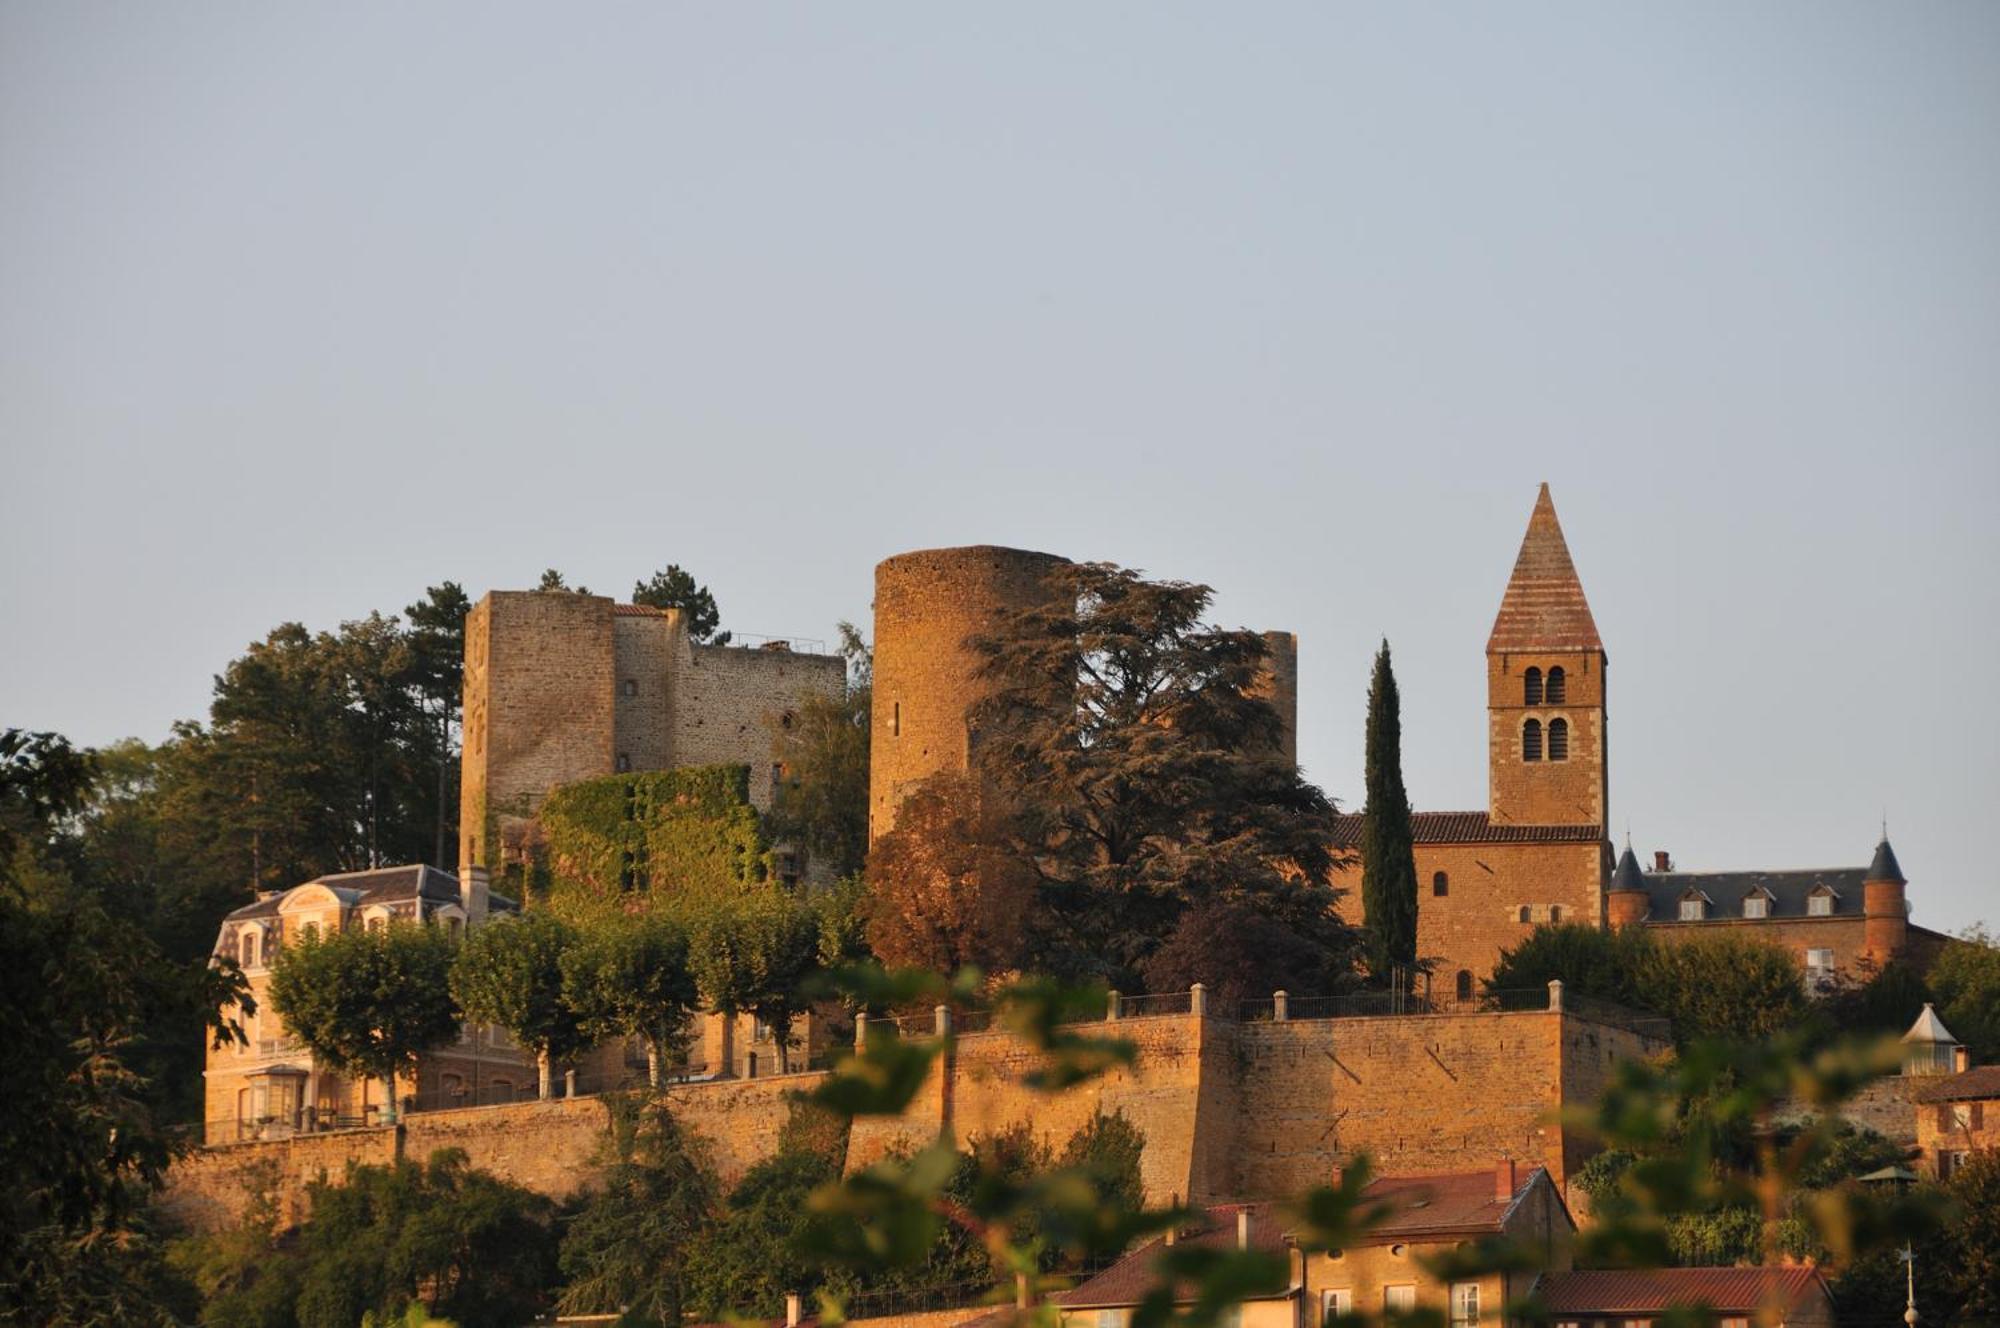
{"type": "Point", "coordinates": [1543, 607]}
{"type": "Point", "coordinates": [1617, 1291]}
{"type": "Point", "coordinates": [1981, 1081]}
{"type": "Point", "coordinates": [1470, 828]}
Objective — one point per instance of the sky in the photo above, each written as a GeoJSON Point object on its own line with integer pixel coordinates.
{"type": "Point", "coordinates": [305, 308]}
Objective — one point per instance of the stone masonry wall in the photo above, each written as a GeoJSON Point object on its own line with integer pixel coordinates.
{"type": "Point", "coordinates": [1569, 792]}
{"type": "Point", "coordinates": [1228, 1110]}
{"type": "Point", "coordinates": [643, 664]}
{"type": "Point", "coordinates": [728, 696]}
{"type": "Point", "coordinates": [1487, 886]}
{"type": "Point", "coordinates": [538, 704]}
{"type": "Point", "coordinates": [927, 604]}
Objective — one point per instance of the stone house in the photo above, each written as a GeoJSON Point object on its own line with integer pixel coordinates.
{"type": "Point", "coordinates": [272, 1086]}
{"type": "Point", "coordinates": [1427, 1215]}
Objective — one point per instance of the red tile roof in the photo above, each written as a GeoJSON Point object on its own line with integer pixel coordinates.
{"type": "Point", "coordinates": [1127, 1281]}
{"type": "Point", "coordinates": [1543, 607]}
{"type": "Point", "coordinates": [1454, 1205]}
{"type": "Point", "coordinates": [1980, 1082]}
{"type": "Point", "coordinates": [636, 611]}
{"type": "Point", "coordinates": [1643, 1290]}
{"type": "Point", "coordinates": [1470, 828]}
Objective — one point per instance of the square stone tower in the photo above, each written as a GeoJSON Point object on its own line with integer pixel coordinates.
{"type": "Point", "coordinates": [1545, 690]}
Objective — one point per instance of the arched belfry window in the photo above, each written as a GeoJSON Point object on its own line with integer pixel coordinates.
{"type": "Point", "coordinates": [1440, 885]}
{"type": "Point", "coordinates": [1559, 740]}
{"type": "Point", "coordinates": [1531, 740]}
{"type": "Point", "coordinates": [1531, 687]}
{"type": "Point", "coordinates": [1555, 690]}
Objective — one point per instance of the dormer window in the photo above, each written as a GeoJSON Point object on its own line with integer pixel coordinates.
{"type": "Point", "coordinates": [248, 949]}
{"type": "Point", "coordinates": [1757, 904]}
{"type": "Point", "coordinates": [1819, 904]}
{"type": "Point", "coordinates": [1694, 906]}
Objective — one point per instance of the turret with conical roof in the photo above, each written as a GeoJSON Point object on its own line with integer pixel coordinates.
{"type": "Point", "coordinates": [1885, 907]}
{"type": "Point", "coordinates": [1545, 689]}
{"type": "Point", "coordinates": [1627, 903]}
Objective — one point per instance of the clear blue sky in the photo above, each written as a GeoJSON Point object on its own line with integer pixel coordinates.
{"type": "Point", "coordinates": [302, 308]}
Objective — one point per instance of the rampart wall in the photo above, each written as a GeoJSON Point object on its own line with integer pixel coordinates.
{"type": "Point", "coordinates": [1228, 1110]}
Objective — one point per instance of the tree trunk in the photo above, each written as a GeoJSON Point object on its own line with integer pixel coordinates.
{"type": "Point", "coordinates": [654, 1070]}
{"type": "Point", "coordinates": [389, 1106]}
{"type": "Point", "coordinates": [542, 1064]}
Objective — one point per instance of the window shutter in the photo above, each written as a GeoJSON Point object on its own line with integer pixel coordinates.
{"type": "Point", "coordinates": [1979, 1115]}
{"type": "Point", "coordinates": [1944, 1116]}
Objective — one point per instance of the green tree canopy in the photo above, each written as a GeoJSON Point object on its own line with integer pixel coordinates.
{"type": "Point", "coordinates": [676, 589]}
{"type": "Point", "coordinates": [753, 951]}
{"type": "Point", "coordinates": [85, 1128]}
{"type": "Point", "coordinates": [455, 1241]}
{"type": "Point", "coordinates": [631, 978]}
{"type": "Point", "coordinates": [369, 1001]}
{"type": "Point", "coordinates": [1142, 772]}
{"type": "Point", "coordinates": [1388, 855]}
{"type": "Point", "coordinates": [628, 1250]}
{"type": "Point", "coordinates": [822, 746]}
{"type": "Point", "coordinates": [509, 973]}
{"type": "Point", "coordinates": [553, 581]}
{"type": "Point", "coordinates": [1715, 987]}
{"type": "Point", "coordinates": [1965, 977]}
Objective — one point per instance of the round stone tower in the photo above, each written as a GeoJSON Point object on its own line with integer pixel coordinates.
{"type": "Point", "coordinates": [1885, 910]}
{"type": "Point", "coordinates": [927, 605]}
{"type": "Point", "coordinates": [1626, 903]}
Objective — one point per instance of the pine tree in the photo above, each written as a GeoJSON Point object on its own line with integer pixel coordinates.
{"type": "Point", "coordinates": [1388, 860]}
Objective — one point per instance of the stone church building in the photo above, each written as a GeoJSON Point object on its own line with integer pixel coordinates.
{"type": "Point", "coordinates": [1540, 853]}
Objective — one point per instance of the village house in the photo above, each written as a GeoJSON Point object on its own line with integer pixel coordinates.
{"type": "Point", "coordinates": [272, 1085]}
{"type": "Point", "coordinates": [1736, 1297]}
{"type": "Point", "coordinates": [1427, 1215]}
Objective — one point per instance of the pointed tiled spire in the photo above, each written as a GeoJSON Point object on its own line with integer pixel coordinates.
{"type": "Point", "coordinates": [1885, 867]}
{"type": "Point", "coordinates": [1544, 607]}
{"type": "Point", "coordinates": [1628, 876]}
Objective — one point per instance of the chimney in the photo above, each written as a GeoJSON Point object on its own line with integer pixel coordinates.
{"type": "Point", "coordinates": [1504, 1181]}
{"type": "Point", "coordinates": [1961, 1059]}
{"type": "Point", "coordinates": [1243, 1228]}
{"type": "Point", "coordinates": [1661, 862]}
{"type": "Point", "coordinates": [791, 1309]}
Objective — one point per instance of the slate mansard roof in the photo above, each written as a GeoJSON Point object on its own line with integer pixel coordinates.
{"type": "Point", "coordinates": [1727, 890]}
{"type": "Point", "coordinates": [380, 885]}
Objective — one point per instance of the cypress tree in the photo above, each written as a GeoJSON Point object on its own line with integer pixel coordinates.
{"type": "Point", "coordinates": [1388, 860]}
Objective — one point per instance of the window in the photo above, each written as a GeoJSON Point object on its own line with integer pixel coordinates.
{"type": "Point", "coordinates": [378, 924]}
{"type": "Point", "coordinates": [1556, 692]}
{"type": "Point", "coordinates": [1463, 985]}
{"type": "Point", "coordinates": [896, 719]}
{"type": "Point", "coordinates": [1531, 740]}
{"type": "Point", "coordinates": [624, 763]}
{"type": "Point", "coordinates": [249, 949]}
{"type": "Point", "coordinates": [1555, 912]}
{"type": "Point", "coordinates": [1531, 687]}
{"type": "Point", "coordinates": [1231, 1317]}
{"type": "Point", "coordinates": [631, 687]}
{"type": "Point", "coordinates": [1692, 910]}
{"type": "Point", "coordinates": [1440, 885]}
{"type": "Point", "coordinates": [1524, 914]}
{"type": "Point", "coordinates": [1464, 1304]}
{"type": "Point", "coordinates": [1819, 968]}
{"type": "Point", "coordinates": [1820, 904]}
{"type": "Point", "coordinates": [1734, 1322]}
{"type": "Point", "coordinates": [309, 931]}
{"type": "Point", "coordinates": [1335, 1304]}
{"type": "Point", "coordinates": [1756, 906]}
{"type": "Point", "coordinates": [1402, 1298]}
{"type": "Point", "coordinates": [1559, 740]}
{"type": "Point", "coordinates": [1949, 1162]}
{"type": "Point", "coordinates": [1110, 1318]}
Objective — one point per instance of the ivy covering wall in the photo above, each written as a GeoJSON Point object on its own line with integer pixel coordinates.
{"type": "Point", "coordinates": [622, 842]}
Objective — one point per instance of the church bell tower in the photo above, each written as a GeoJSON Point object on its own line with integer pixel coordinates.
{"type": "Point", "coordinates": [1545, 686]}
